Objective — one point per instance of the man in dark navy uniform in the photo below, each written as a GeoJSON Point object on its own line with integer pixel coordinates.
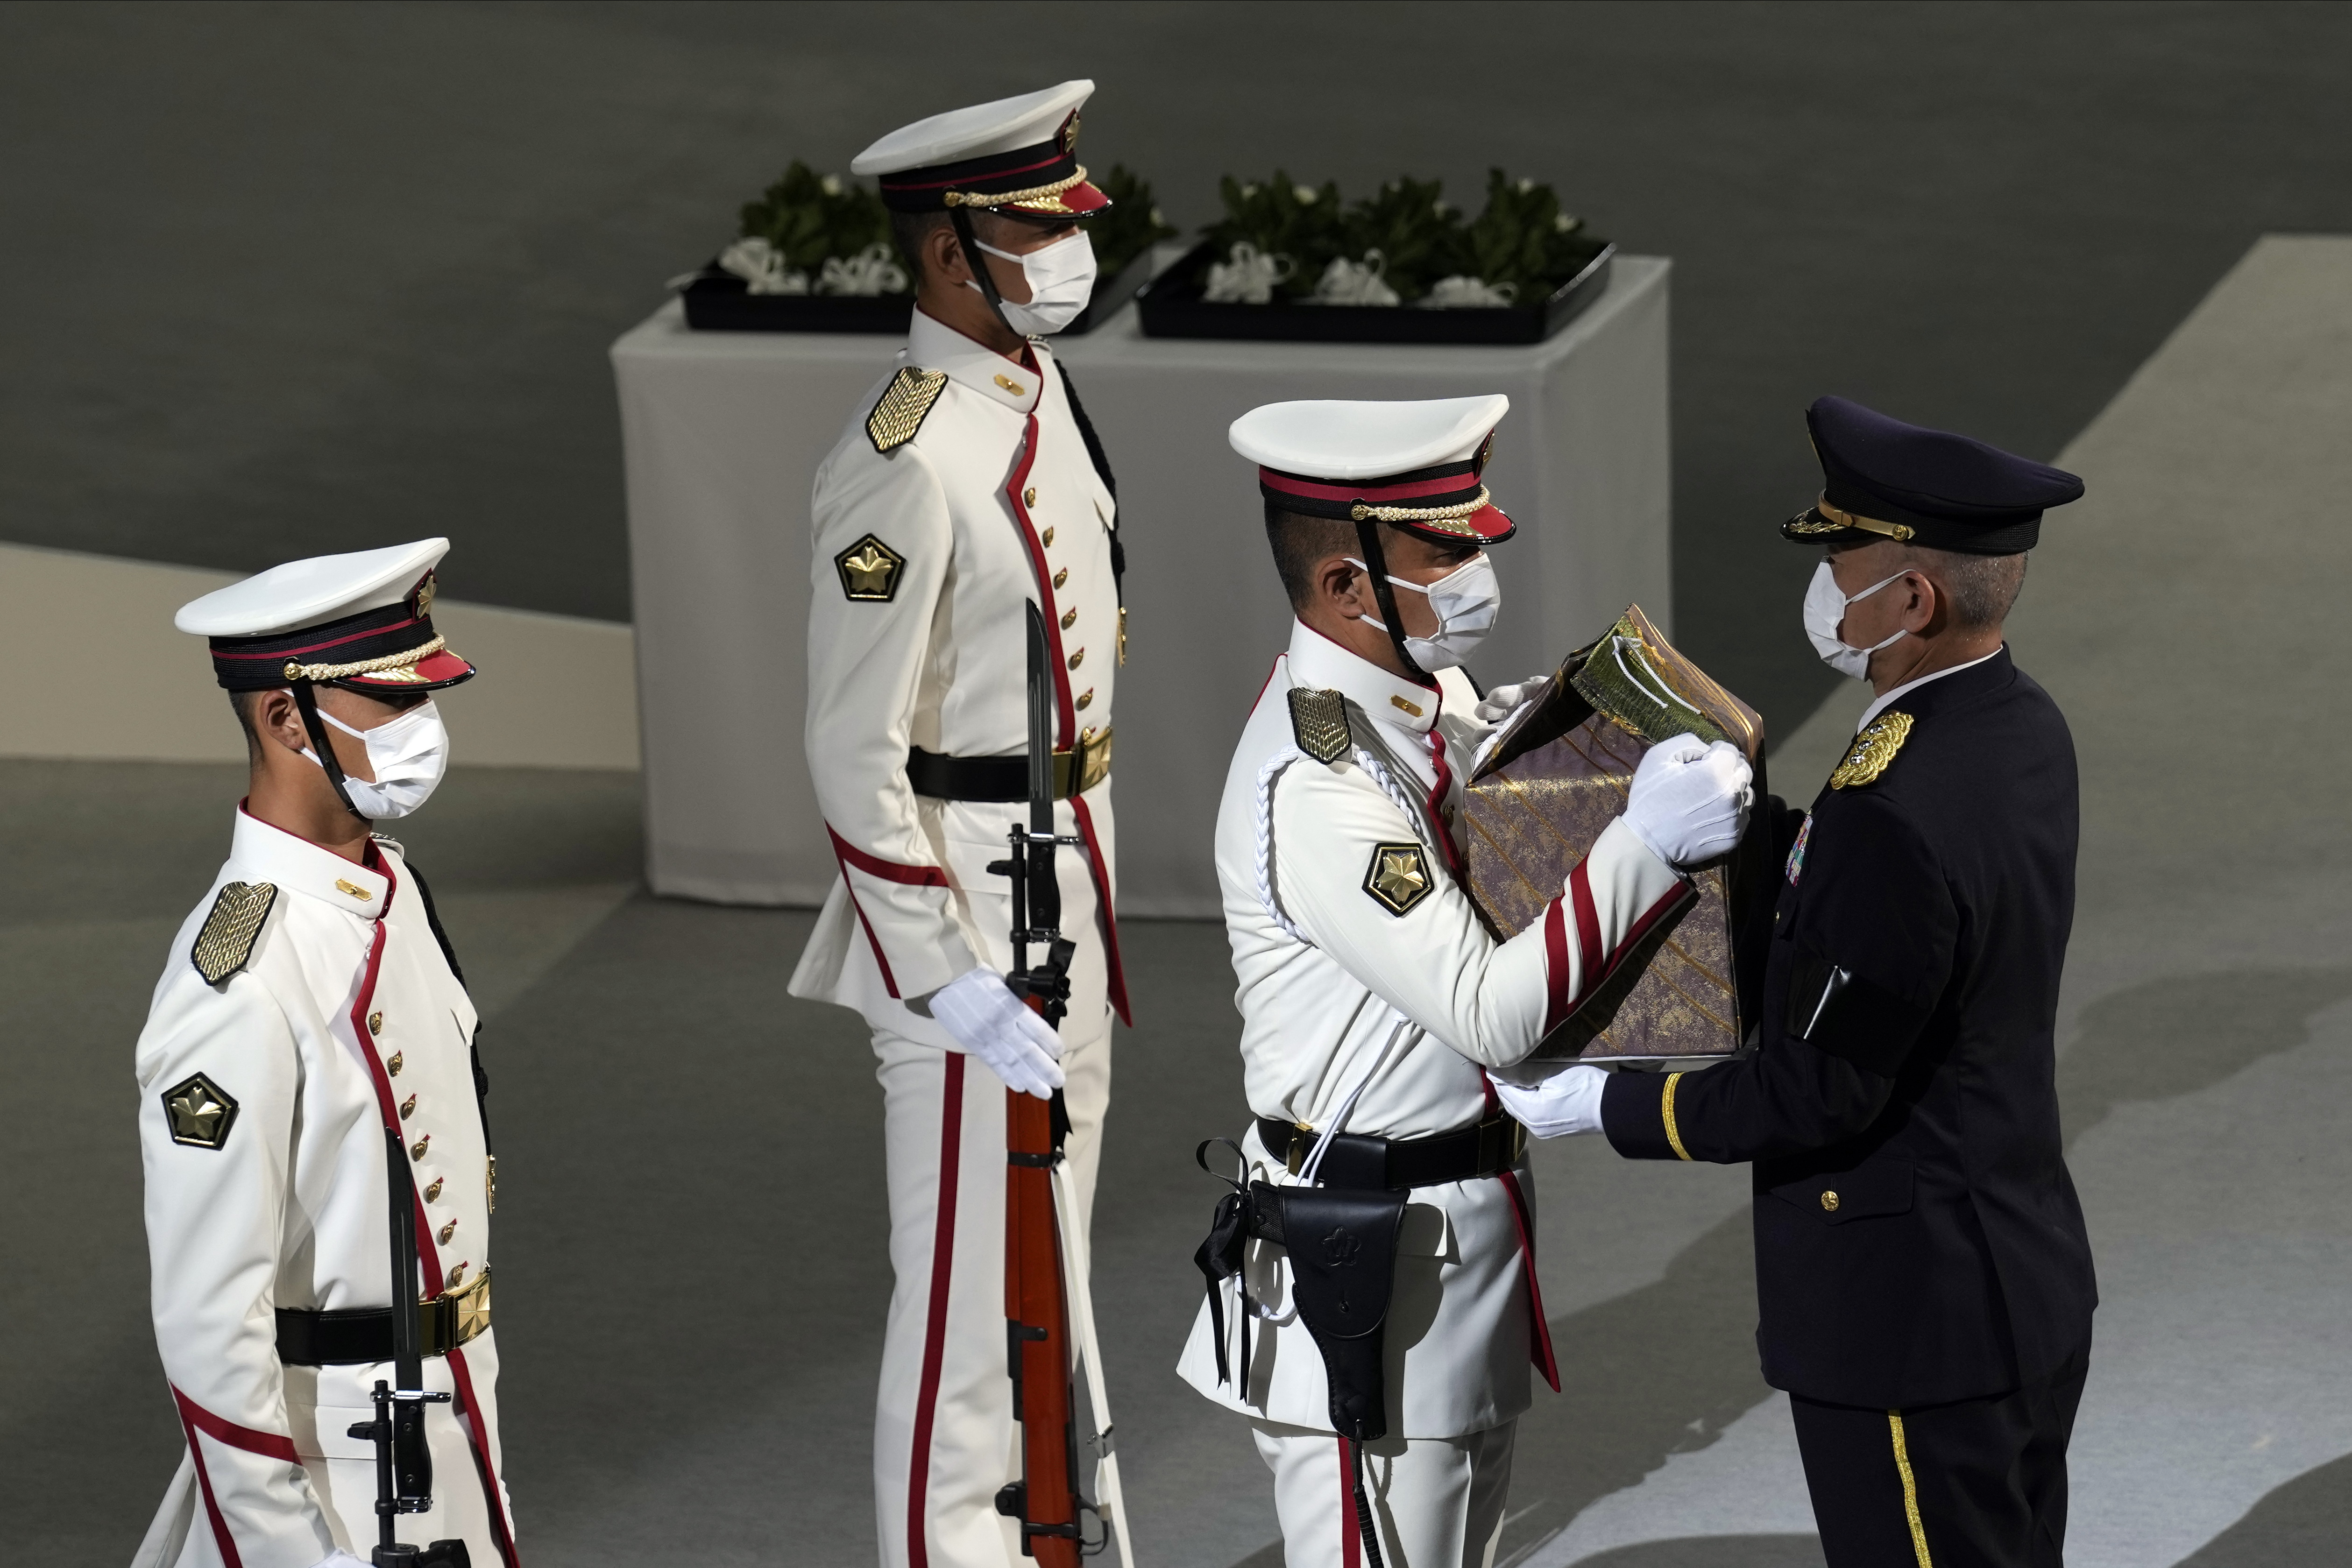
{"type": "Point", "coordinates": [1923, 1274]}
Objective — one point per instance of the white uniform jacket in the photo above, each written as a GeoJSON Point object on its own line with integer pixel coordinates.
{"type": "Point", "coordinates": [262, 1107]}
{"type": "Point", "coordinates": [1380, 1009]}
{"type": "Point", "coordinates": [925, 556]}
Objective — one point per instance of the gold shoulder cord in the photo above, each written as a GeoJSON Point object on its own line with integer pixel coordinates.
{"type": "Point", "coordinates": [1666, 1110]}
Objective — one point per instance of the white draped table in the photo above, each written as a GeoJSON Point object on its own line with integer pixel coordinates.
{"type": "Point", "coordinates": [722, 433]}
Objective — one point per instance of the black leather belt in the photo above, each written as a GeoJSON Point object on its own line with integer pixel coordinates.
{"type": "Point", "coordinates": [363, 1335]}
{"type": "Point", "coordinates": [1374, 1164]}
{"type": "Point", "coordinates": [1006, 778]}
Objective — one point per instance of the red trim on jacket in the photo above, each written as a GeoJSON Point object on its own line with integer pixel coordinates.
{"type": "Point", "coordinates": [1116, 978]}
{"type": "Point", "coordinates": [935, 1321]}
{"type": "Point", "coordinates": [478, 1436]}
{"type": "Point", "coordinates": [195, 1418]}
{"type": "Point", "coordinates": [1555, 924]}
{"type": "Point", "coordinates": [1539, 1337]}
{"type": "Point", "coordinates": [850, 855]}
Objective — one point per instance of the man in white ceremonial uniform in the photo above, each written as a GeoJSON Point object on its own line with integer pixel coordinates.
{"type": "Point", "coordinates": [309, 1004]}
{"type": "Point", "coordinates": [967, 487]}
{"type": "Point", "coordinates": [1380, 1014]}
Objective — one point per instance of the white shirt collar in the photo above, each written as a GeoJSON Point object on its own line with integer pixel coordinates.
{"type": "Point", "coordinates": [1317, 660]}
{"type": "Point", "coordinates": [934, 346]}
{"type": "Point", "coordinates": [260, 853]}
{"type": "Point", "coordinates": [1882, 703]}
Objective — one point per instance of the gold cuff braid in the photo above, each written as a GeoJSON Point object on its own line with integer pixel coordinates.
{"type": "Point", "coordinates": [300, 671]}
{"type": "Point", "coordinates": [1666, 1111]}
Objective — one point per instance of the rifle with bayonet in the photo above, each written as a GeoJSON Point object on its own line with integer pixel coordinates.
{"type": "Point", "coordinates": [1044, 1246]}
{"type": "Point", "coordinates": [404, 1452]}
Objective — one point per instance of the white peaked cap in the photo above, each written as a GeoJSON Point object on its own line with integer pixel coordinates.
{"type": "Point", "coordinates": [1417, 465]}
{"type": "Point", "coordinates": [309, 592]}
{"type": "Point", "coordinates": [1331, 439]}
{"type": "Point", "coordinates": [975, 132]}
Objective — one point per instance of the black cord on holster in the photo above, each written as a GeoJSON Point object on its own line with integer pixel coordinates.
{"type": "Point", "coordinates": [1368, 1533]}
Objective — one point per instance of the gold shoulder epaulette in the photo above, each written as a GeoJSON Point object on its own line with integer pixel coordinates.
{"type": "Point", "coordinates": [1872, 750]}
{"type": "Point", "coordinates": [231, 929]}
{"type": "Point", "coordinates": [1319, 722]}
{"type": "Point", "coordinates": [906, 403]}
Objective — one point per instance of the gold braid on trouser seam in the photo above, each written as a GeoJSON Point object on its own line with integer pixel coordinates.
{"type": "Point", "coordinates": [1666, 1110]}
{"type": "Point", "coordinates": [1910, 1491]}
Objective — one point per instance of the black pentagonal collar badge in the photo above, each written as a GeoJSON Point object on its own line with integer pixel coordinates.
{"type": "Point", "coordinates": [200, 1113]}
{"type": "Point", "coordinates": [870, 570]}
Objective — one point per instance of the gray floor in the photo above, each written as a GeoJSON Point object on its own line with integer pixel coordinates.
{"type": "Point", "coordinates": [345, 274]}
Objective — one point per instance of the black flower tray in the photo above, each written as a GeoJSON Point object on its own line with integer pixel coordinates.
{"type": "Point", "coordinates": [1171, 306]}
{"type": "Point", "coordinates": [718, 301]}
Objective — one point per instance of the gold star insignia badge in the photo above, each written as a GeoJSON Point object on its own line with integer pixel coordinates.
{"type": "Point", "coordinates": [870, 570]}
{"type": "Point", "coordinates": [1398, 877]}
{"type": "Point", "coordinates": [200, 1113]}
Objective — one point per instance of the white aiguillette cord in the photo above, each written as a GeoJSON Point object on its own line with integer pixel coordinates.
{"type": "Point", "coordinates": [1081, 1265]}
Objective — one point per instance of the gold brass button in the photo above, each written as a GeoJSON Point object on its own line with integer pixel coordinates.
{"type": "Point", "coordinates": [1047, 540]}
{"type": "Point", "coordinates": [1061, 576]}
{"type": "Point", "coordinates": [448, 1231]}
{"type": "Point", "coordinates": [456, 1278]}
{"type": "Point", "coordinates": [416, 1149]}
{"type": "Point", "coordinates": [398, 1061]}
{"type": "Point", "coordinates": [408, 1108]}
{"type": "Point", "coordinates": [432, 1193]}
{"type": "Point", "coordinates": [1069, 619]}
{"type": "Point", "coordinates": [1085, 698]}
{"type": "Point", "coordinates": [1029, 496]}
{"type": "Point", "coordinates": [1078, 658]}
{"type": "Point", "coordinates": [1829, 1202]}
{"type": "Point", "coordinates": [375, 1023]}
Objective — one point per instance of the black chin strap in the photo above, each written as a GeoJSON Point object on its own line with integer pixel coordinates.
{"type": "Point", "coordinates": [307, 700]}
{"type": "Point", "coordinates": [977, 260]}
{"type": "Point", "coordinates": [1368, 535]}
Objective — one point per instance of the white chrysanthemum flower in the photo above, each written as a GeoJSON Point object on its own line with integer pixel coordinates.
{"type": "Point", "coordinates": [1158, 221]}
{"type": "Point", "coordinates": [830, 184]}
{"type": "Point", "coordinates": [1250, 190]}
{"type": "Point", "coordinates": [1525, 184]}
{"type": "Point", "coordinates": [1562, 223]}
{"type": "Point", "coordinates": [1306, 195]}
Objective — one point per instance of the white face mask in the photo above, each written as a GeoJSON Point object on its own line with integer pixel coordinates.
{"type": "Point", "coordinates": [1061, 280]}
{"type": "Point", "coordinates": [1825, 613]}
{"type": "Point", "coordinates": [408, 756]}
{"type": "Point", "coordinates": [1465, 602]}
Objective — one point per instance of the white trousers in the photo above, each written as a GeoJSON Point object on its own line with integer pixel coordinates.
{"type": "Point", "coordinates": [1437, 1503]}
{"type": "Point", "coordinates": [944, 1437]}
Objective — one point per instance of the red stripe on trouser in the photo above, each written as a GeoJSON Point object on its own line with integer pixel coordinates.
{"type": "Point", "coordinates": [469, 1412]}
{"type": "Point", "coordinates": [1540, 1341]}
{"type": "Point", "coordinates": [194, 1419]}
{"type": "Point", "coordinates": [1116, 976]}
{"type": "Point", "coordinates": [934, 1326]}
{"type": "Point", "coordinates": [1351, 1544]}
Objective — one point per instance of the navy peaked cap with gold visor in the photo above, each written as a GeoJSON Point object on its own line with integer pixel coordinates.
{"type": "Point", "coordinates": [1884, 479]}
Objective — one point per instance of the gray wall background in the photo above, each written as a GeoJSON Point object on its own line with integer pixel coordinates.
{"type": "Point", "coordinates": [283, 280]}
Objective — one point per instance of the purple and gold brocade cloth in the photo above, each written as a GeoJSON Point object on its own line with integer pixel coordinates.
{"type": "Point", "coordinates": [1556, 776]}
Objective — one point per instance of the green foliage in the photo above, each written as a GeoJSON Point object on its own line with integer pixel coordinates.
{"type": "Point", "coordinates": [809, 217]}
{"type": "Point", "coordinates": [1131, 227]}
{"type": "Point", "coordinates": [1281, 217]}
{"type": "Point", "coordinates": [1523, 238]}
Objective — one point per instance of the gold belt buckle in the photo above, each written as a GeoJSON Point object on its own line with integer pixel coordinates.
{"type": "Point", "coordinates": [454, 1317]}
{"type": "Point", "coordinates": [1079, 769]}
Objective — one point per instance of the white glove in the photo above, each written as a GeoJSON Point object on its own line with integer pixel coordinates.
{"type": "Point", "coordinates": [1566, 1103]}
{"type": "Point", "coordinates": [1504, 701]}
{"type": "Point", "coordinates": [992, 1024]}
{"type": "Point", "coordinates": [1689, 801]}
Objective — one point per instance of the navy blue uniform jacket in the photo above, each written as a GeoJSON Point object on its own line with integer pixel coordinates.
{"type": "Point", "coordinates": [1918, 1235]}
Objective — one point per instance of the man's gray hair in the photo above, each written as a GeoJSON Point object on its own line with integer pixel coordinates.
{"type": "Point", "coordinates": [1982, 589]}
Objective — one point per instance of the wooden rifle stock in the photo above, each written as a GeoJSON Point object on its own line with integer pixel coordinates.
{"type": "Point", "coordinates": [1037, 1330]}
